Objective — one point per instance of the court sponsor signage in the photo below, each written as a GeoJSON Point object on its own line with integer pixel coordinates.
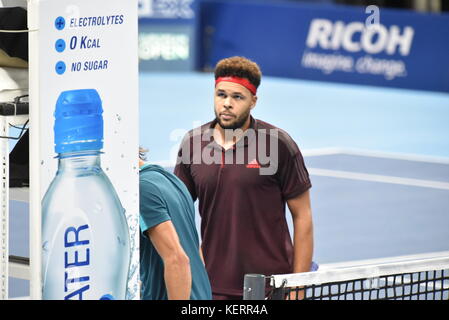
{"type": "Point", "coordinates": [166, 9]}
{"type": "Point", "coordinates": [371, 46]}
{"type": "Point", "coordinates": [330, 38]}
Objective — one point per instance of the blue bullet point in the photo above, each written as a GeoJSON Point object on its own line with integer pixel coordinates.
{"type": "Point", "coordinates": [60, 45]}
{"type": "Point", "coordinates": [60, 23]}
{"type": "Point", "coordinates": [60, 67]}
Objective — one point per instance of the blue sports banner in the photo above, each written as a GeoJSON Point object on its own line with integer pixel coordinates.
{"type": "Point", "coordinates": [167, 35]}
{"type": "Point", "coordinates": [370, 46]}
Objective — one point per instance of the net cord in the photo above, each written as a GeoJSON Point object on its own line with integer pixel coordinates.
{"type": "Point", "coordinates": [358, 272]}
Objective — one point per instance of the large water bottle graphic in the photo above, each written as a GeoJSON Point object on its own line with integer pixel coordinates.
{"type": "Point", "coordinates": [85, 237]}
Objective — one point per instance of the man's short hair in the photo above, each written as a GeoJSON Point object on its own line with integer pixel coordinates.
{"type": "Point", "coordinates": [239, 67]}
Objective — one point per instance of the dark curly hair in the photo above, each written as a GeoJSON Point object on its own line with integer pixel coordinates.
{"type": "Point", "coordinates": [239, 67]}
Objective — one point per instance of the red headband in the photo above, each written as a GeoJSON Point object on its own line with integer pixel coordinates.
{"type": "Point", "coordinates": [242, 81]}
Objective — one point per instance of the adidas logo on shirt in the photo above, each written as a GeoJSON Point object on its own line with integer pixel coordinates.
{"type": "Point", "coordinates": [253, 164]}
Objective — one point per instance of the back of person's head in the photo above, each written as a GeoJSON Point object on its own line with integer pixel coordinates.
{"type": "Point", "coordinates": [143, 153]}
{"type": "Point", "coordinates": [240, 67]}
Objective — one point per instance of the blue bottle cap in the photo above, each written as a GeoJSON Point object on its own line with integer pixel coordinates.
{"type": "Point", "coordinates": [78, 121]}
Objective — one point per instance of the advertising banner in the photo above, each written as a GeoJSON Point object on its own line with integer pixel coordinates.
{"type": "Point", "coordinates": [84, 122]}
{"type": "Point", "coordinates": [167, 35]}
{"type": "Point", "coordinates": [371, 46]}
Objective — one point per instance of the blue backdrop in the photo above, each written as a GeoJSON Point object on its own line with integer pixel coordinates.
{"type": "Point", "coordinates": [403, 49]}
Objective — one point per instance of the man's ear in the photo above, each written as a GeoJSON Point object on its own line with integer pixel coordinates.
{"type": "Point", "coordinates": [254, 102]}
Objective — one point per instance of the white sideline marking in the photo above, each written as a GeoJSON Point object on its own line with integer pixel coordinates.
{"type": "Point", "coordinates": [379, 178]}
{"type": "Point", "coordinates": [19, 271]}
{"type": "Point", "coordinates": [352, 152]}
{"type": "Point", "coordinates": [374, 154]}
{"type": "Point", "coordinates": [384, 260]}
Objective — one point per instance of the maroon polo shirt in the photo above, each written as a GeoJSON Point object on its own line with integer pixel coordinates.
{"type": "Point", "coordinates": [242, 196]}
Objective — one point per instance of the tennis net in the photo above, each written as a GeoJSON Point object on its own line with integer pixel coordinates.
{"type": "Point", "coordinates": [424, 277]}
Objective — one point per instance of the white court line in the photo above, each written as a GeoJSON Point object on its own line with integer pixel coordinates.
{"type": "Point", "coordinates": [19, 194]}
{"type": "Point", "coordinates": [322, 152]}
{"type": "Point", "coordinates": [374, 154]}
{"type": "Point", "coordinates": [352, 152]}
{"type": "Point", "coordinates": [366, 176]}
{"type": "Point", "coordinates": [19, 271]}
{"type": "Point", "coordinates": [20, 298]}
{"type": "Point", "coordinates": [378, 178]}
{"type": "Point", "coordinates": [384, 260]}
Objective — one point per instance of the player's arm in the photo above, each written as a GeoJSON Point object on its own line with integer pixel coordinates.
{"type": "Point", "coordinates": [301, 211]}
{"type": "Point", "coordinates": [182, 168]}
{"type": "Point", "coordinates": [302, 237]}
{"type": "Point", "coordinates": [177, 274]}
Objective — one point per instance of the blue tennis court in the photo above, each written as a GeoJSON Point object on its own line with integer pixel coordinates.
{"type": "Point", "coordinates": [372, 206]}
{"type": "Point", "coordinates": [378, 159]}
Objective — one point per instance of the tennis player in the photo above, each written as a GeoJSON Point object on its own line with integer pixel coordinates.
{"type": "Point", "coordinates": [170, 263]}
{"type": "Point", "coordinates": [244, 171]}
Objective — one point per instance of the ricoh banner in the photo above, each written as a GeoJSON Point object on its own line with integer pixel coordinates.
{"type": "Point", "coordinates": [360, 45]}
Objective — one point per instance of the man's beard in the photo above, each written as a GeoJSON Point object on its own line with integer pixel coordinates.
{"type": "Point", "coordinates": [238, 122]}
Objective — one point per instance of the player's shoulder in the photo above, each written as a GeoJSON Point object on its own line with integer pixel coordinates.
{"type": "Point", "coordinates": [274, 132]}
{"type": "Point", "coordinates": [151, 177]}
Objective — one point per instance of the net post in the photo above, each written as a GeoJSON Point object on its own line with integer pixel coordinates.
{"type": "Point", "coordinates": [278, 294]}
{"type": "Point", "coordinates": [254, 287]}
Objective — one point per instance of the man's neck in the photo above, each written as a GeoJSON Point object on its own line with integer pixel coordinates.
{"type": "Point", "coordinates": [228, 137]}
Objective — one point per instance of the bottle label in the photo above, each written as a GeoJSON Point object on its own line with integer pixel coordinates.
{"type": "Point", "coordinates": [85, 254]}
{"type": "Point", "coordinates": [76, 261]}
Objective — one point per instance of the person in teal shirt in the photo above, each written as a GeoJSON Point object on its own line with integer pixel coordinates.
{"type": "Point", "coordinates": [171, 265]}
